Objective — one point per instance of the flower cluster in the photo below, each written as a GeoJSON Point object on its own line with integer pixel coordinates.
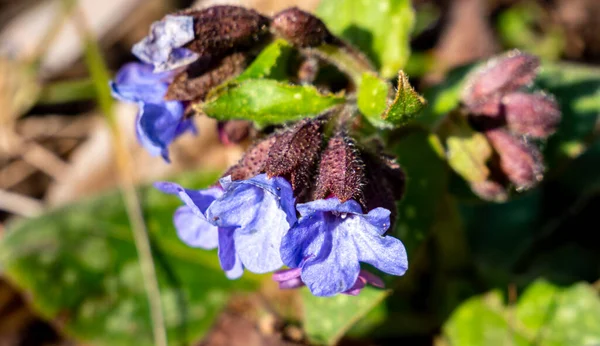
{"type": "Point", "coordinates": [305, 196]}
{"type": "Point", "coordinates": [252, 215]}
{"type": "Point", "coordinates": [497, 104]}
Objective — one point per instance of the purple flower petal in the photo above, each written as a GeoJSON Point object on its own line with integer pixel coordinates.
{"type": "Point", "coordinates": [371, 279]}
{"type": "Point", "coordinates": [333, 271]}
{"type": "Point", "coordinates": [383, 252]}
{"type": "Point", "coordinates": [262, 211]}
{"type": "Point", "coordinates": [227, 255]}
{"type": "Point", "coordinates": [195, 231]}
{"type": "Point", "coordinates": [286, 274]}
{"type": "Point", "coordinates": [162, 46]}
{"type": "Point", "coordinates": [197, 200]}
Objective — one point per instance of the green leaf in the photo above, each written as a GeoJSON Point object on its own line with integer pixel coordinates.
{"type": "Point", "coordinates": [372, 99]}
{"type": "Point", "coordinates": [270, 63]}
{"type": "Point", "coordinates": [406, 104]}
{"type": "Point", "coordinates": [78, 265]}
{"type": "Point", "coordinates": [467, 151]}
{"type": "Point", "coordinates": [545, 315]}
{"type": "Point", "coordinates": [381, 29]}
{"type": "Point", "coordinates": [426, 184]}
{"type": "Point", "coordinates": [577, 89]}
{"type": "Point", "coordinates": [326, 320]}
{"type": "Point", "coordinates": [266, 101]}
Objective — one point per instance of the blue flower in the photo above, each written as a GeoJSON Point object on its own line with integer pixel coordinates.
{"type": "Point", "coordinates": [163, 45]}
{"type": "Point", "coordinates": [261, 210]}
{"type": "Point", "coordinates": [194, 229]}
{"type": "Point", "coordinates": [158, 122]}
{"type": "Point", "coordinates": [332, 238]}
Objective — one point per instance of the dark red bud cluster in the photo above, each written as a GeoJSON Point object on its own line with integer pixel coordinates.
{"type": "Point", "coordinates": [318, 168]}
{"type": "Point", "coordinates": [509, 117]}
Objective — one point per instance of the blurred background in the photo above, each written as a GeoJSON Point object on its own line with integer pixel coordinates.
{"type": "Point", "coordinates": [56, 147]}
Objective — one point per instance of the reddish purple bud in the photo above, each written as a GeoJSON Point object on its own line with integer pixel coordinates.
{"type": "Point", "coordinates": [301, 28]}
{"type": "Point", "coordinates": [221, 29]}
{"type": "Point", "coordinates": [341, 171]}
{"type": "Point", "coordinates": [295, 152]}
{"type": "Point", "coordinates": [521, 162]}
{"type": "Point", "coordinates": [233, 131]}
{"type": "Point", "coordinates": [200, 77]}
{"type": "Point", "coordinates": [535, 115]}
{"type": "Point", "coordinates": [489, 107]}
{"type": "Point", "coordinates": [504, 74]}
{"type": "Point", "coordinates": [490, 190]}
{"type": "Point", "coordinates": [253, 162]}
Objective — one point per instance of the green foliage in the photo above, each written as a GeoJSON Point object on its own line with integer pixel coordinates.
{"type": "Point", "coordinates": [372, 99]}
{"type": "Point", "coordinates": [78, 264]}
{"type": "Point", "coordinates": [326, 320]}
{"type": "Point", "coordinates": [544, 315]}
{"type": "Point", "coordinates": [266, 101]}
{"type": "Point", "coordinates": [406, 104]}
{"type": "Point", "coordinates": [426, 183]}
{"type": "Point", "coordinates": [467, 151]}
{"type": "Point", "coordinates": [373, 102]}
{"type": "Point", "coordinates": [271, 63]}
{"type": "Point", "coordinates": [381, 29]}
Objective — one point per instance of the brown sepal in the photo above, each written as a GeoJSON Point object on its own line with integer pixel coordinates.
{"type": "Point", "coordinates": [200, 77]}
{"type": "Point", "coordinates": [253, 161]}
{"type": "Point", "coordinates": [296, 149]}
{"type": "Point", "coordinates": [221, 29]}
{"type": "Point", "coordinates": [341, 171]}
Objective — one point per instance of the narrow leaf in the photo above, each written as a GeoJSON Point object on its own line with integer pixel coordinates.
{"type": "Point", "coordinates": [270, 63]}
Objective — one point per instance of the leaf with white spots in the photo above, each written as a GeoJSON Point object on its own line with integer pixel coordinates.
{"type": "Point", "coordinates": [545, 315]}
{"type": "Point", "coordinates": [326, 320]}
{"type": "Point", "coordinates": [381, 29]}
{"type": "Point", "coordinates": [266, 101]}
{"type": "Point", "coordinates": [79, 265]}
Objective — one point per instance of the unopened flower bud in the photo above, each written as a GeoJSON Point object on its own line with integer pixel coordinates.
{"type": "Point", "coordinates": [200, 77]}
{"type": "Point", "coordinates": [221, 29]}
{"type": "Point", "coordinates": [341, 171]}
{"type": "Point", "coordinates": [253, 161]}
{"type": "Point", "coordinates": [295, 151]}
{"type": "Point", "coordinates": [535, 115]}
{"type": "Point", "coordinates": [521, 162]}
{"type": "Point", "coordinates": [504, 74]}
{"type": "Point", "coordinates": [301, 28]}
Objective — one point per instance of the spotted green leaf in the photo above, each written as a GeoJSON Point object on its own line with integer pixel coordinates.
{"type": "Point", "coordinates": [78, 265]}
{"type": "Point", "coordinates": [372, 99]}
{"type": "Point", "coordinates": [326, 320]}
{"type": "Point", "coordinates": [545, 315]}
{"type": "Point", "coordinates": [380, 28]}
{"type": "Point", "coordinates": [266, 101]}
{"type": "Point", "coordinates": [406, 104]}
{"type": "Point", "coordinates": [271, 63]}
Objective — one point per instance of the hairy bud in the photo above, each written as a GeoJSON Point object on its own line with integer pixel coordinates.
{"type": "Point", "coordinates": [221, 29]}
{"type": "Point", "coordinates": [253, 162]}
{"type": "Point", "coordinates": [200, 77]}
{"type": "Point", "coordinates": [504, 74]}
{"type": "Point", "coordinates": [295, 152]}
{"type": "Point", "coordinates": [385, 183]}
{"type": "Point", "coordinates": [301, 28]}
{"type": "Point", "coordinates": [341, 171]}
{"type": "Point", "coordinates": [535, 115]}
{"type": "Point", "coordinates": [519, 161]}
